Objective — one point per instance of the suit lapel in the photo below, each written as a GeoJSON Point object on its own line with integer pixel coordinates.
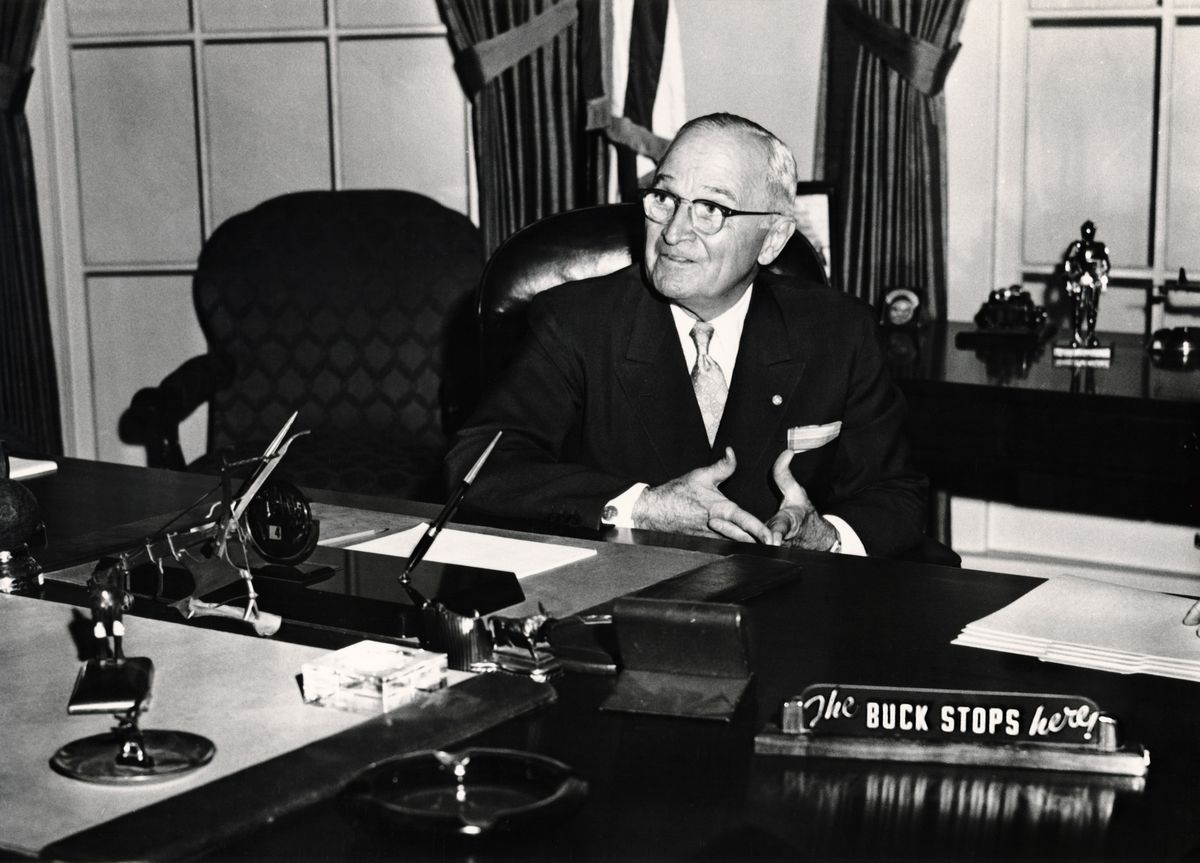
{"type": "Point", "coordinates": [770, 365]}
{"type": "Point", "coordinates": [654, 379]}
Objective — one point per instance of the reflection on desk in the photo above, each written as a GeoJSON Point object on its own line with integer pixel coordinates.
{"type": "Point", "coordinates": [1122, 441]}
{"type": "Point", "coordinates": [664, 786]}
{"type": "Point", "coordinates": [838, 810]}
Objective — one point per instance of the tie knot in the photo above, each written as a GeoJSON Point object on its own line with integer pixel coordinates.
{"type": "Point", "coordinates": [701, 335]}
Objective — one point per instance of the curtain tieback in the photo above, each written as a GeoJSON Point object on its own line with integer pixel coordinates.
{"type": "Point", "coordinates": [626, 133]}
{"type": "Point", "coordinates": [14, 87]}
{"type": "Point", "coordinates": [485, 60]}
{"type": "Point", "coordinates": [921, 63]}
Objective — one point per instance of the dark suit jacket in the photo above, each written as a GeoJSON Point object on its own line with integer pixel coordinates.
{"type": "Point", "coordinates": [599, 397]}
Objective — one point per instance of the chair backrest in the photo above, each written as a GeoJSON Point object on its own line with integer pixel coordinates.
{"type": "Point", "coordinates": [340, 304]}
{"type": "Point", "coordinates": [579, 244]}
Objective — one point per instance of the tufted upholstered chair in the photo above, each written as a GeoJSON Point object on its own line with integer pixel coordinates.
{"type": "Point", "coordinates": [580, 244]}
{"type": "Point", "coordinates": [352, 307]}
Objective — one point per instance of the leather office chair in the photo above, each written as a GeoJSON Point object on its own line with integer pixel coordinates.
{"type": "Point", "coordinates": [341, 305]}
{"type": "Point", "coordinates": [595, 241]}
{"type": "Point", "coordinates": [580, 244]}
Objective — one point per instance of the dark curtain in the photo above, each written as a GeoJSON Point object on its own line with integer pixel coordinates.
{"type": "Point", "coordinates": [517, 60]}
{"type": "Point", "coordinates": [28, 386]}
{"type": "Point", "coordinates": [882, 144]}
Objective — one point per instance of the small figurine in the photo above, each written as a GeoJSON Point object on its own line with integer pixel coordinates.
{"type": "Point", "coordinates": [110, 599]}
{"type": "Point", "coordinates": [1086, 268]}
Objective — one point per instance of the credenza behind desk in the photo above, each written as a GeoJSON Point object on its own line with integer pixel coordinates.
{"type": "Point", "coordinates": [665, 787]}
{"type": "Point", "coordinates": [1000, 423]}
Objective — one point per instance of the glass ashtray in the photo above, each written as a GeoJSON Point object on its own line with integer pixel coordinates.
{"type": "Point", "coordinates": [470, 792]}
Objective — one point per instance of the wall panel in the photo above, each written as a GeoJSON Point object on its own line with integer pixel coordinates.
{"type": "Point", "coordinates": [127, 17]}
{"type": "Point", "coordinates": [136, 141]}
{"type": "Point", "coordinates": [268, 122]}
{"type": "Point", "coordinates": [143, 327]}
{"type": "Point", "coordinates": [283, 15]}
{"type": "Point", "coordinates": [388, 13]}
{"type": "Point", "coordinates": [399, 129]}
{"type": "Point", "coordinates": [1183, 173]}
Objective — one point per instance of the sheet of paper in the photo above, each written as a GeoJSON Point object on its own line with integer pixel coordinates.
{"type": "Point", "coordinates": [464, 548]}
{"type": "Point", "coordinates": [1094, 624]}
{"type": "Point", "coordinates": [27, 468]}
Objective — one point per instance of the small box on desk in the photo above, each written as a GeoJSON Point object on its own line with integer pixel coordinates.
{"type": "Point", "coordinates": [372, 677]}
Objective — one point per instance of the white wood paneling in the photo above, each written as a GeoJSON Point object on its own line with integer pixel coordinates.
{"type": "Point", "coordinates": [135, 136]}
{"type": "Point", "coordinates": [127, 17]}
{"type": "Point", "coordinates": [260, 15]}
{"type": "Point", "coordinates": [388, 13]}
{"type": "Point", "coordinates": [399, 129]}
{"type": "Point", "coordinates": [268, 122]}
{"type": "Point", "coordinates": [143, 326]}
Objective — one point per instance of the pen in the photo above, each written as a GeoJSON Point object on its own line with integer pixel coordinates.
{"type": "Point", "coordinates": [448, 510]}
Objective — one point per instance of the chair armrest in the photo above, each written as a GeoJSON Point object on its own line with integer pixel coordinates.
{"type": "Point", "coordinates": [153, 416]}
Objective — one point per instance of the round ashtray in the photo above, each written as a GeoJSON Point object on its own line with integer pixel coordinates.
{"type": "Point", "coordinates": [470, 792]}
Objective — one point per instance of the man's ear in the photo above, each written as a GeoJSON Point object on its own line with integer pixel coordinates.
{"type": "Point", "coordinates": [776, 239]}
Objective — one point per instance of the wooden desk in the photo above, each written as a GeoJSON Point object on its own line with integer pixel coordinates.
{"type": "Point", "coordinates": [1012, 427]}
{"type": "Point", "coordinates": [663, 787]}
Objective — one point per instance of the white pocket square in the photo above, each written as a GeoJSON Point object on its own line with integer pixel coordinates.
{"type": "Point", "coordinates": [804, 438]}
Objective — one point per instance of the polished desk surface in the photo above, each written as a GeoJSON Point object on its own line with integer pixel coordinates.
{"type": "Point", "coordinates": [664, 787]}
{"type": "Point", "coordinates": [1012, 426]}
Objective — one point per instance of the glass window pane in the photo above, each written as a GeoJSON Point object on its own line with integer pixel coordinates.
{"type": "Point", "coordinates": [1089, 145]}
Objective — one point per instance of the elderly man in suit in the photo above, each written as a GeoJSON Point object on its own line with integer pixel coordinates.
{"type": "Point", "coordinates": [696, 392]}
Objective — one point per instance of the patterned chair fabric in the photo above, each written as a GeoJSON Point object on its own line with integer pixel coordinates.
{"type": "Point", "coordinates": [352, 307]}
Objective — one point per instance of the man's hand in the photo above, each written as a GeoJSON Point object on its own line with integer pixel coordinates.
{"type": "Point", "coordinates": [797, 523]}
{"type": "Point", "coordinates": [692, 504]}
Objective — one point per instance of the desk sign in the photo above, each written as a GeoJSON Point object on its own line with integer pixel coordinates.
{"type": "Point", "coordinates": [952, 726]}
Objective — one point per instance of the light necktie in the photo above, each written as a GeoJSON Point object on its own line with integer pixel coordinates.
{"type": "Point", "coordinates": [708, 380]}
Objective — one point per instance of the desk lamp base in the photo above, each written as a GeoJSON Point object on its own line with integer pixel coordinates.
{"type": "Point", "coordinates": [109, 759]}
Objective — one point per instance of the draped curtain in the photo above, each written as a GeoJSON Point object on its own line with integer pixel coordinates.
{"type": "Point", "coordinates": [517, 60]}
{"type": "Point", "coordinates": [29, 412]}
{"type": "Point", "coordinates": [882, 144]}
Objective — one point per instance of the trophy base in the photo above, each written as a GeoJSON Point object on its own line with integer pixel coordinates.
{"type": "Point", "coordinates": [1099, 356]}
{"type": "Point", "coordinates": [19, 572]}
{"type": "Point", "coordinates": [171, 754]}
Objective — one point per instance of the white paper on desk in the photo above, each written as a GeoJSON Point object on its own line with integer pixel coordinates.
{"type": "Point", "coordinates": [27, 468]}
{"type": "Point", "coordinates": [1094, 624]}
{"type": "Point", "coordinates": [464, 548]}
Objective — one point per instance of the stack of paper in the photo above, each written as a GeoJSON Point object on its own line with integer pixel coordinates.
{"type": "Point", "coordinates": [28, 468]}
{"type": "Point", "coordinates": [463, 548]}
{"type": "Point", "coordinates": [1093, 624]}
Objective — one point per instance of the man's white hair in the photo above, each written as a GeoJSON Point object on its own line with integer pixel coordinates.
{"type": "Point", "coordinates": [781, 164]}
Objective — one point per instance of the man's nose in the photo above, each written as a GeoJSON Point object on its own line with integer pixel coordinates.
{"type": "Point", "coordinates": [679, 226]}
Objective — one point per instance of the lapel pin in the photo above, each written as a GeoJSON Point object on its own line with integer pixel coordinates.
{"type": "Point", "coordinates": [777, 399]}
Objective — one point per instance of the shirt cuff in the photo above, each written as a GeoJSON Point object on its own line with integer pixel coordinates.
{"type": "Point", "coordinates": [847, 538]}
{"type": "Point", "coordinates": [618, 512]}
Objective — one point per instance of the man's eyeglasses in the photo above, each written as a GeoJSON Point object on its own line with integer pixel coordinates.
{"type": "Point", "coordinates": [708, 217]}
